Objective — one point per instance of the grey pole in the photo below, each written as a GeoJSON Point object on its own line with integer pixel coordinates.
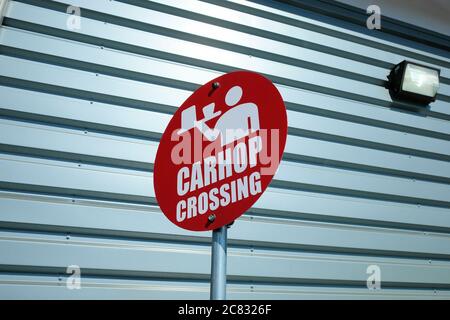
{"type": "Point", "coordinates": [219, 264]}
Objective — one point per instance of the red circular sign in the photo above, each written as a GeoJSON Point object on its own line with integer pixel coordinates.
{"type": "Point", "coordinates": [220, 151]}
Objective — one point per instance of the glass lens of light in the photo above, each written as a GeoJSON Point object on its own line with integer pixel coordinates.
{"type": "Point", "coordinates": [420, 80]}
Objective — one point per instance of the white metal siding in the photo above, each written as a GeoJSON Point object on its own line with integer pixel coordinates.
{"type": "Point", "coordinates": [81, 113]}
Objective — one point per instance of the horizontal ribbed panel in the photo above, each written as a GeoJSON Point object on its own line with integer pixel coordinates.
{"type": "Point", "coordinates": [81, 112]}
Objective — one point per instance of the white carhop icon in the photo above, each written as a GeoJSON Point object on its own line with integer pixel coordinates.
{"type": "Point", "coordinates": [235, 123]}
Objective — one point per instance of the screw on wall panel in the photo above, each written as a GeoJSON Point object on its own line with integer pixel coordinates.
{"type": "Point", "coordinates": [212, 218]}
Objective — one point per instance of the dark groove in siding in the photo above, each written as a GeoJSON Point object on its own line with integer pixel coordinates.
{"type": "Point", "coordinates": [155, 136]}
{"type": "Point", "coordinates": [234, 243]}
{"type": "Point", "coordinates": [267, 34]}
{"type": "Point", "coordinates": [330, 32]}
{"type": "Point", "coordinates": [357, 193]}
{"type": "Point", "coordinates": [180, 239]}
{"type": "Point", "coordinates": [221, 44]}
{"type": "Point", "coordinates": [99, 195]}
{"type": "Point", "coordinates": [136, 133]}
{"type": "Point", "coordinates": [364, 168]}
{"type": "Point", "coordinates": [367, 144]}
{"type": "Point", "coordinates": [82, 159]}
{"type": "Point", "coordinates": [79, 124]}
{"type": "Point", "coordinates": [298, 216]}
{"type": "Point", "coordinates": [259, 32]}
{"type": "Point", "coordinates": [438, 115]}
{"type": "Point", "coordinates": [254, 52]}
{"type": "Point", "coordinates": [156, 29]}
{"type": "Point", "coordinates": [425, 32]}
{"type": "Point", "coordinates": [289, 247]}
{"type": "Point", "coordinates": [84, 95]}
{"type": "Point", "coordinates": [87, 95]}
{"type": "Point", "coordinates": [143, 77]}
{"type": "Point", "coordinates": [443, 97]}
{"type": "Point", "coordinates": [94, 195]}
{"type": "Point", "coordinates": [96, 68]}
{"type": "Point", "coordinates": [368, 121]}
{"type": "Point", "coordinates": [346, 220]}
{"type": "Point", "coordinates": [202, 64]}
{"type": "Point", "coordinates": [148, 167]}
{"type": "Point", "coordinates": [358, 16]}
{"type": "Point", "coordinates": [200, 277]}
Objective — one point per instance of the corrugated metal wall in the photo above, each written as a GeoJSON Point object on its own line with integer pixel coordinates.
{"type": "Point", "coordinates": [361, 183]}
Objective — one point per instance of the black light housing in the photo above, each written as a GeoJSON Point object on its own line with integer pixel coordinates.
{"type": "Point", "coordinates": [413, 83]}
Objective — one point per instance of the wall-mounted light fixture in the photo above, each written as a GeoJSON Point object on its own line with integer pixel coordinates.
{"type": "Point", "coordinates": [413, 83]}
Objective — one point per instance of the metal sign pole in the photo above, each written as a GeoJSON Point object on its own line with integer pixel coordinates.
{"type": "Point", "coordinates": [219, 264]}
{"type": "Point", "coordinates": [218, 289]}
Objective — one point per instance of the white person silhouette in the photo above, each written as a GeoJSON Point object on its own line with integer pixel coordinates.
{"type": "Point", "coordinates": [235, 123]}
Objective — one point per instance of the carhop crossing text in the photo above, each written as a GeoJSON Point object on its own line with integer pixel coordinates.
{"type": "Point", "coordinates": [233, 160]}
